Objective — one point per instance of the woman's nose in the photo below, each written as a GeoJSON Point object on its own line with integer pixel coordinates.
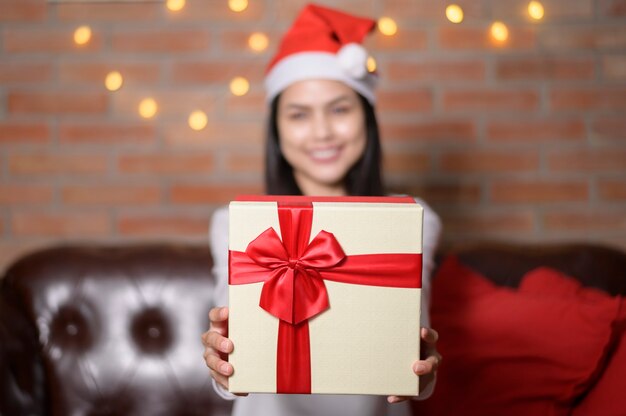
{"type": "Point", "coordinates": [322, 129]}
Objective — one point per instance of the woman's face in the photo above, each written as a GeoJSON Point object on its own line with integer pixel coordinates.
{"type": "Point", "coordinates": [321, 125]}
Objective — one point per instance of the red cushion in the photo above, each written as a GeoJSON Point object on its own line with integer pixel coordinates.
{"type": "Point", "coordinates": [607, 397]}
{"type": "Point", "coordinates": [527, 351]}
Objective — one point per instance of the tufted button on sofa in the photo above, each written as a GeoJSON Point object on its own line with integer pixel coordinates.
{"type": "Point", "coordinates": [107, 331]}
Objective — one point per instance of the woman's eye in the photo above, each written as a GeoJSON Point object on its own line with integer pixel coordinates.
{"type": "Point", "coordinates": [297, 116]}
{"type": "Point", "coordinates": [341, 110]}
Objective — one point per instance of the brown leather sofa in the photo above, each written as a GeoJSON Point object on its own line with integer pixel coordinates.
{"type": "Point", "coordinates": [93, 330]}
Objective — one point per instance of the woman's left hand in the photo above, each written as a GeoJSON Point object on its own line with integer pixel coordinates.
{"type": "Point", "coordinates": [427, 368]}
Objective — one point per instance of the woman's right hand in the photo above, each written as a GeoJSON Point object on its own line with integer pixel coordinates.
{"type": "Point", "coordinates": [217, 346]}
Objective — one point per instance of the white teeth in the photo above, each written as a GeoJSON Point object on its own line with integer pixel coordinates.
{"type": "Point", "coordinates": [324, 154]}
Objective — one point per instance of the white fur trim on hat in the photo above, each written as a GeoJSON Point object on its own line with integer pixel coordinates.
{"type": "Point", "coordinates": [321, 65]}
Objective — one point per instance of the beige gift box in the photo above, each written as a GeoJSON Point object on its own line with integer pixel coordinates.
{"type": "Point", "coordinates": [368, 338]}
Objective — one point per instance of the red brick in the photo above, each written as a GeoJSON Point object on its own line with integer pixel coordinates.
{"type": "Point", "coordinates": [211, 194]}
{"type": "Point", "coordinates": [588, 99]}
{"type": "Point", "coordinates": [555, 10]}
{"type": "Point", "coordinates": [609, 128]}
{"type": "Point", "coordinates": [216, 133]}
{"type": "Point", "coordinates": [57, 102]}
{"type": "Point", "coordinates": [218, 12]}
{"type": "Point", "coordinates": [613, 8]}
{"type": "Point", "coordinates": [405, 39]}
{"type": "Point", "coordinates": [588, 160]}
{"type": "Point", "coordinates": [18, 132]}
{"type": "Point", "coordinates": [236, 41]}
{"type": "Point", "coordinates": [493, 100]}
{"type": "Point", "coordinates": [287, 10]}
{"type": "Point", "coordinates": [218, 72]}
{"type": "Point", "coordinates": [586, 220]}
{"type": "Point", "coordinates": [447, 192]}
{"type": "Point", "coordinates": [166, 163]}
{"type": "Point", "coordinates": [23, 11]}
{"type": "Point", "coordinates": [406, 162]}
{"type": "Point", "coordinates": [111, 195]}
{"type": "Point", "coordinates": [25, 73]}
{"type": "Point", "coordinates": [12, 194]}
{"type": "Point", "coordinates": [48, 40]}
{"type": "Point", "coordinates": [537, 191]}
{"type": "Point", "coordinates": [614, 67]}
{"type": "Point", "coordinates": [62, 224]}
{"type": "Point", "coordinates": [109, 11]}
{"type": "Point", "coordinates": [76, 72]}
{"type": "Point", "coordinates": [40, 163]}
{"type": "Point", "coordinates": [106, 133]}
{"type": "Point", "coordinates": [456, 131]}
{"type": "Point", "coordinates": [533, 131]}
{"type": "Point", "coordinates": [245, 162]}
{"type": "Point", "coordinates": [407, 100]}
{"type": "Point", "coordinates": [592, 37]}
{"type": "Point", "coordinates": [459, 38]}
{"type": "Point", "coordinates": [541, 68]}
{"type": "Point", "coordinates": [161, 40]}
{"type": "Point", "coordinates": [252, 103]}
{"type": "Point", "coordinates": [440, 71]}
{"type": "Point", "coordinates": [487, 223]}
{"type": "Point", "coordinates": [489, 161]}
{"type": "Point", "coordinates": [612, 189]}
{"type": "Point", "coordinates": [431, 10]}
{"type": "Point", "coordinates": [169, 226]}
{"type": "Point", "coordinates": [172, 103]}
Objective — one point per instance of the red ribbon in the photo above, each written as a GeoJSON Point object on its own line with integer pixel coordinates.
{"type": "Point", "coordinates": [294, 271]}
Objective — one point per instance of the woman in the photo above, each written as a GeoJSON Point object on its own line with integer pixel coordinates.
{"type": "Point", "coordinates": [322, 140]}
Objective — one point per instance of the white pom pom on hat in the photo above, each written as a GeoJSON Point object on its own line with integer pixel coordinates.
{"type": "Point", "coordinates": [323, 43]}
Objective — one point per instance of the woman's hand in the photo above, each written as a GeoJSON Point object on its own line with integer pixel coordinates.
{"type": "Point", "coordinates": [427, 368]}
{"type": "Point", "coordinates": [217, 346]}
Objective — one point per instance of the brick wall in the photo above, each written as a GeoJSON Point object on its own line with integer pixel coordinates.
{"type": "Point", "coordinates": [524, 141]}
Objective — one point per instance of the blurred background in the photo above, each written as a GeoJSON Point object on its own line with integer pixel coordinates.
{"type": "Point", "coordinates": [126, 121]}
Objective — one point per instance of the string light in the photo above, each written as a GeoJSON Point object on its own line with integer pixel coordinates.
{"type": "Point", "coordinates": [454, 13]}
{"type": "Point", "coordinates": [113, 81]}
{"type": "Point", "coordinates": [387, 26]}
{"type": "Point", "coordinates": [238, 5]}
{"type": "Point", "coordinates": [258, 41]}
{"type": "Point", "coordinates": [148, 108]}
{"type": "Point", "coordinates": [535, 10]}
{"type": "Point", "coordinates": [82, 35]}
{"type": "Point", "coordinates": [198, 120]}
{"type": "Point", "coordinates": [175, 5]}
{"type": "Point", "coordinates": [239, 86]}
{"type": "Point", "coordinates": [371, 64]}
{"type": "Point", "coordinates": [499, 31]}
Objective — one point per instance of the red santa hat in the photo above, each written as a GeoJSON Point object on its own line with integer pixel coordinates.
{"type": "Point", "coordinates": [323, 43]}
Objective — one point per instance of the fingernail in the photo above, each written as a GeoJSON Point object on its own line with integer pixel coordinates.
{"type": "Point", "coordinates": [419, 368]}
{"type": "Point", "coordinates": [224, 345]}
{"type": "Point", "coordinates": [225, 369]}
{"type": "Point", "coordinates": [223, 313]}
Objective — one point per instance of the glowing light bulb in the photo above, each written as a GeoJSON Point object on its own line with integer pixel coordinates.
{"type": "Point", "coordinates": [499, 31]}
{"type": "Point", "coordinates": [82, 35]}
{"type": "Point", "coordinates": [387, 26]}
{"type": "Point", "coordinates": [148, 108]}
{"type": "Point", "coordinates": [239, 86]}
{"type": "Point", "coordinates": [113, 81]}
{"type": "Point", "coordinates": [454, 13]}
{"type": "Point", "coordinates": [238, 5]}
{"type": "Point", "coordinates": [258, 41]}
{"type": "Point", "coordinates": [535, 10]}
{"type": "Point", "coordinates": [175, 5]}
{"type": "Point", "coordinates": [371, 64]}
{"type": "Point", "coordinates": [198, 120]}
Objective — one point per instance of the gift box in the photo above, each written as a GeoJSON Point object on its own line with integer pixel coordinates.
{"type": "Point", "coordinates": [324, 294]}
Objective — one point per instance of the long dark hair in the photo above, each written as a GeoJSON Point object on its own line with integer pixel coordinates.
{"type": "Point", "coordinates": [363, 179]}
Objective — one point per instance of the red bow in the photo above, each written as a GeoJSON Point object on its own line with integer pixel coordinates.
{"type": "Point", "coordinates": [295, 291]}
